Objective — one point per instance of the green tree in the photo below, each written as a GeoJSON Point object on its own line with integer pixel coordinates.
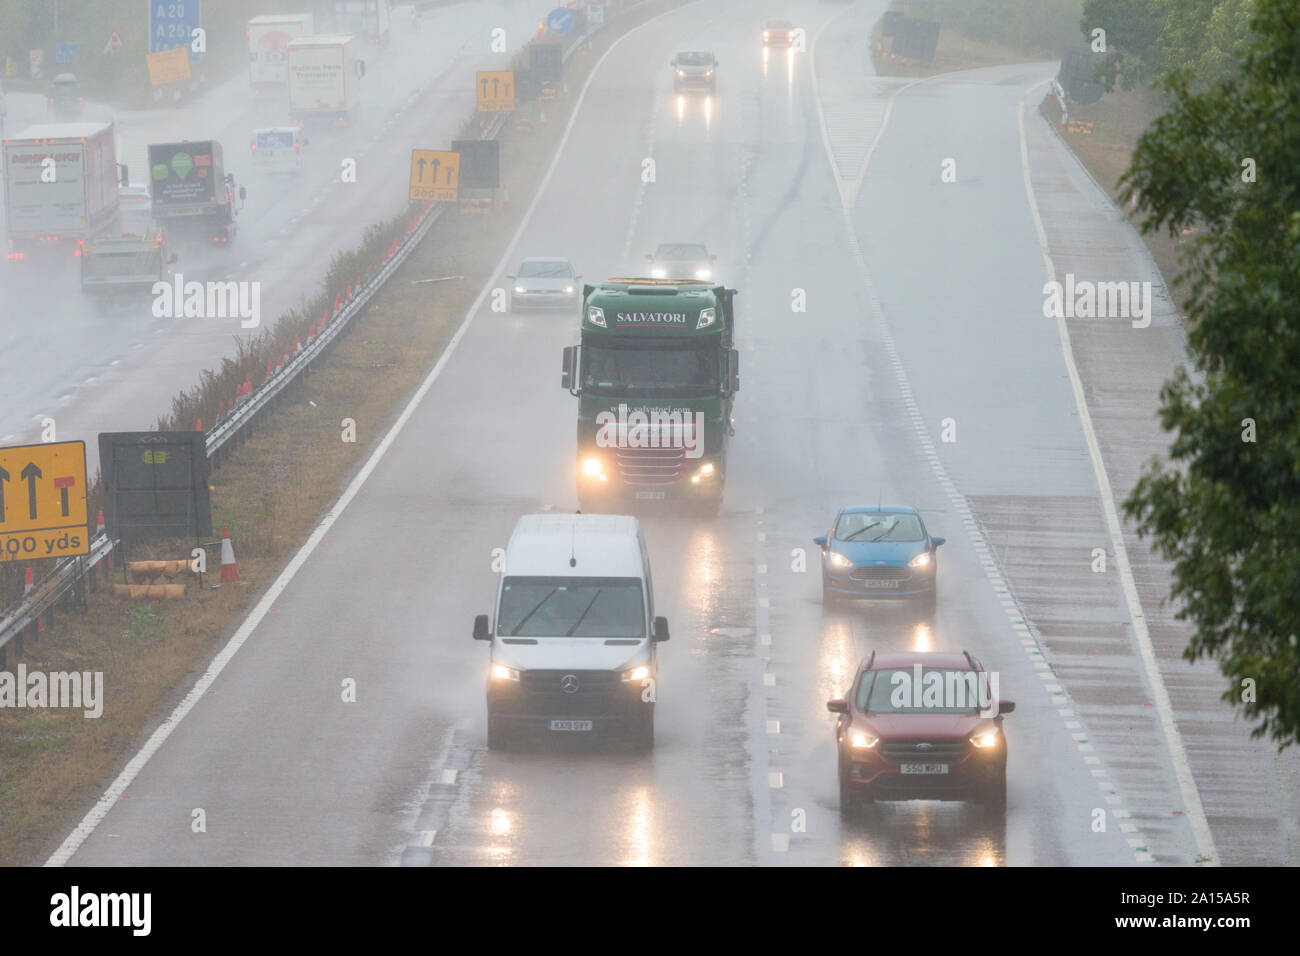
{"type": "Point", "coordinates": [1133, 30]}
{"type": "Point", "coordinates": [1223, 509]}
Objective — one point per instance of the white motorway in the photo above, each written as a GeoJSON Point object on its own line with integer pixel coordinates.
{"type": "Point", "coordinates": [924, 304]}
{"type": "Point", "coordinates": [94, 370]}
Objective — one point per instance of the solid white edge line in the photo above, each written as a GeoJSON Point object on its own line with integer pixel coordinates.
{"type": "Point", "coordinates": [96, 814]}
{"type": "Point", "coordinates": [1164, 708]}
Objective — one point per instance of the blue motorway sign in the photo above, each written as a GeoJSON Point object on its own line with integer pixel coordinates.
{"type": "Point", "coordinates": [559, 21]}
{"type": "Point", "coordinates": [172, 23]}
{"type": "Point", "coordinates": [67, 52]}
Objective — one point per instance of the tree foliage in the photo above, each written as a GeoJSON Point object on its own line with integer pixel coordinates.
{"type": "Point", "coordinates": [1225, 509]}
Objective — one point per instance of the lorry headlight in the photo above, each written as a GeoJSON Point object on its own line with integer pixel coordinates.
{"type": "Point", "coordinates": [705, 471]}
{"type": "Point", "coordinates": [988, 737]}
{"type": "Point", "coordinates": [707, 318]}
{"type": "Point", "coordinates": [838, 560]}
{"type": "Point", "coordinates": [681, 72]}
{"type": "Point", "coordinates": [596, 316]}
{"type": "Point", "coordinates": [592, 468]}
{"type": "Point", "coordinates": [501, 672]}
{"type": "Point", "coordinates": [636, 673]}
{"type": "Point", "coordinates": [922, 560]}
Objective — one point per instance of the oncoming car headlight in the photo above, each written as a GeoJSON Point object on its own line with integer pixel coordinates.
{"type": "Point", "coordinates": [596, 315]}
{"type": "Point", "coordinates": [838, 560]}
{"type": "Point", "coordinates": [861, 740]}
{"type": "Point", "coordinates": [636, 673]}
{"type": "Point", "coordinates": [501, 672]}
{"type": "Point", "coordinates": [986, 738]}
{"type": "Point", "coordinates": [922, 560]}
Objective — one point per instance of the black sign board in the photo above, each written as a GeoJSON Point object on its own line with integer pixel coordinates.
{"type": "Point", "coordinates": [545, 63]}
{"type": "Point", "coordinates": [155, 485]}
{"type": "Point", "coordinates": [480, 163]}
{"type": "Point", "coordinates": [1078, 75]}
{"type": "Point", "coordinates": [527, 87]}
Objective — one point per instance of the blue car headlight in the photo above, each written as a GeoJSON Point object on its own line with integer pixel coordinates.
{"type": "Point", "coordinates": [922, 560]}
{"type": "Point", "coordinates": [837, 560]}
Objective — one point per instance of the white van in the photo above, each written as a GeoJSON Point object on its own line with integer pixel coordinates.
{"type": "Point", "coordinates": [277, 149]}
{"type": "Point", "coordinates": [573, 650]}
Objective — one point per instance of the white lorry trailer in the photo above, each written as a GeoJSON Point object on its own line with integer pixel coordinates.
{"type": "Point", "coordinates": [324, 79]}
{"type": "Point", "coordinates": [60, 186]}
{"type": "Point", "coordinates": [268, 37]}
{"type": "Point", "coordinates": [369, 19]}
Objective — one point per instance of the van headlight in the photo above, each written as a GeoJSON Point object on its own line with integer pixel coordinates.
{"type": "Point", "coordinates": [707, 318]}
{"type": "Point", "coordinates": [501, 672]}
{"type": "Point", "coordinates": [596, 316]}
{"type": "Point", "coordinates": [636, 673]}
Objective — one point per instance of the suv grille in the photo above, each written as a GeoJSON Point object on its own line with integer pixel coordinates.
{"type": "Point", "coordinates": [941, 750]}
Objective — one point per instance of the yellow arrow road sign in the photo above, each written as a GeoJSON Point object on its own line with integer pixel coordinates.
{"type": "Point", "coordinates": [43, 501]}
{"type": "Point", "coordinates": [495, 90]}
{"type": "Point", "coordinates": [435, 175]}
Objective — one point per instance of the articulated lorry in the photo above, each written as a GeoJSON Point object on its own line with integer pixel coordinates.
{"type": "Point", "coordinates": [655, 373]}
{"type": "Point", "coordinates": [60, 186]}
{"type": "Point", "coordinates": [324, 79]}
{"type": "Point", "coordinates": [268, 40]}
{"type": "Point", "coordinates": [369, 19]}
{"type": "Point", "coordinates": [193, 196]}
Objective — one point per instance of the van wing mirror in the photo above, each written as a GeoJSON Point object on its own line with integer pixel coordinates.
{"type": "Point", "coordinates": [481, 630]}
{"type": "Point", "coordinates": [569, 371]}
{"type": "Point", "coordinates": [733, 371]}
{"type": "Point", "coordinates": [661, 629]}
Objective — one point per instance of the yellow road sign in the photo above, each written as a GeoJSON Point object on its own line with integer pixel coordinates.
{"type": "Point", "coordinates": [435, 175]}
{"type": "Point", "coordinates": [43, 501]}
{"type": "Point", "coordinates": [169, 66]}
{"type": "Point", "coordinates": [495, 90]}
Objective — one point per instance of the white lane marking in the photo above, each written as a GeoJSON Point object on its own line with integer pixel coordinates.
{"type": "Point", "coordinates": [96, 814]}
{"type": "Point", "coordinates": [425, 837]}
{"type": "Point", "coordinates": [1164, 707]}
{"type": "Point", "coordinates": [447, 776]}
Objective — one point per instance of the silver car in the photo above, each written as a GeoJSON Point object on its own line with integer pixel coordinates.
{"type": "Point", "coordinates": [545, 283]}
{"type": "Point", "coordinates": [695, 70]}
{"type": "Point", "coordinates": [682, 260]}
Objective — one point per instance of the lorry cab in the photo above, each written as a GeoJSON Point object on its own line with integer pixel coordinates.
{"type": "Point", "coordinates": [573, 639]}
{"type": "Point", "coordinates": [277, 149]}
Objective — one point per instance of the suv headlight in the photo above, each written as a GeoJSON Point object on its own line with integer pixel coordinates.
{"type": "Point", "coordinates": [988, 737]}
{"type": "Point", "coordinates": [707, 318]}
{"type": "Point", "coordinates": [922, 560]}
{"type": "Point", "coordinates": [861, 740]}
{"type": "Point", "coordinates": [596, 315]}
{"type": "Point", "coordinates": [636, 673]}
{"type": "Point", "coordinates": [501, 672]}
{"type": "Point", "coordinates": [838, 560]}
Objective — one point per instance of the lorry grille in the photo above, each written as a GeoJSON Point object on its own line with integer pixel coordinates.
{"type": "Point", "coordinates": [651, 466]}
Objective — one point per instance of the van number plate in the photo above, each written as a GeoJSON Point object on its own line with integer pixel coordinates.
{"type": "Point", "coordinates": [568, 725]}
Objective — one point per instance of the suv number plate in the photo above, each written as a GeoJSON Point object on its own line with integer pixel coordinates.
{"type": "Point", "coordinates": [924, 768]}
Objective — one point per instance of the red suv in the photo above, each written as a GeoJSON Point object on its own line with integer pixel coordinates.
{"type": "Point", "coordinates": [922, 726]}
{"type": "Point", "coordinates": [778, 33]}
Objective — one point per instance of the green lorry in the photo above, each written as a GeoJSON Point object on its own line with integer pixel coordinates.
{"type": "Point", "coordinates": [655, 374]}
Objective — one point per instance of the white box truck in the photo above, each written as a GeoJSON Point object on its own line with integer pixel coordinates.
{"type": "Point", "coordinates": [61, 182]}
{"type": "Point", "coordinates": [324, 78]}
{"type": "Point", "coordinates": [370, 19]}
{"type": "Point", "coordinates": [268, 36]}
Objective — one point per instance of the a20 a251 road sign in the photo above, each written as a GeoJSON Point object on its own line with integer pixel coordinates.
{"type": "Point", "coordinates": [43, 501]}
{"type": "Point", "coordinates": [435, 175]}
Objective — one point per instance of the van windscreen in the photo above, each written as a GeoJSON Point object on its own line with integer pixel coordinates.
{"type": "Point", "coordinates": [571, 607]}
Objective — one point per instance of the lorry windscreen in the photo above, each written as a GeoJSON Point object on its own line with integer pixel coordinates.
{"type": "Point", "coordinates": [650, 370]}
{"type": "Point", "coordinates": [571, 607]}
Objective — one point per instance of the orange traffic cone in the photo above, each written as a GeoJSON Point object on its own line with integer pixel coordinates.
{"type": "Point", "coordinates": [229, 570]}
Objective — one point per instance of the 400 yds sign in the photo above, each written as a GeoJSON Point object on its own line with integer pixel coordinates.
{"type": "Point", "coordinates": [43, 501]}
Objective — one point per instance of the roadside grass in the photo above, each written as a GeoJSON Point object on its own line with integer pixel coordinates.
{"type": "Point", "coordinates": [271, 492]}
{"type": "Point", "coordinates": [955, 51]}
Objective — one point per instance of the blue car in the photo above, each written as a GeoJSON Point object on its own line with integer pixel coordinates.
{"type": "Point", "coordinates": [879, 551]}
